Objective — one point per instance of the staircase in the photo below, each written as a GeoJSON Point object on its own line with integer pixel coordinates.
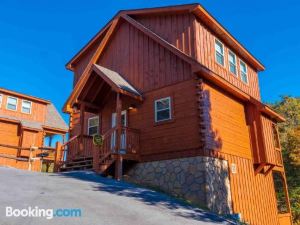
{"type": "Point", "coordinates": [77, 164]}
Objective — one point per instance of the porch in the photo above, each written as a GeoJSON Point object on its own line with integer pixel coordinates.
{"type": "Point", "coordinates": [104, 100]}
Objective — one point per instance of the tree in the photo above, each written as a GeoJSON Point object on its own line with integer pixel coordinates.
{"type": "Point", "coordinates": [289, 107]}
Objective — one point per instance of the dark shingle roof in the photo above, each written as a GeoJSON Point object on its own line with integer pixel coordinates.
{"type": "Point", "coordinates": [54, 119]}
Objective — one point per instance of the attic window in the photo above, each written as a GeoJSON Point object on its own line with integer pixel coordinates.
{"type": "Point", "coordinates": [12, 103]}
{"type": "Point", "coordinates": [219, 52]}
{"type": "Point", "coordinates": [232, 62]}
{"type": "Point", "coordinates": [275, 136]}
{"type": "Point", "coordinates": [26, 106]}
{"type": "Point", "coordinates": [244, 73]}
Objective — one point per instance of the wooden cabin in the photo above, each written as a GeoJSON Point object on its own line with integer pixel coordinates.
{"type": "Point", "coordinates": [176, 99]}
{"type": "Point", "coordinates": [25, 123]}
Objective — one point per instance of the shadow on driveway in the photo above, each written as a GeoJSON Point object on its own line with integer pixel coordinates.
{"type": "Point", "coordinates": [149, 197]}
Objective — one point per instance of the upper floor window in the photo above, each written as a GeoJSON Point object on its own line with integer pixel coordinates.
{"type": "Point", "coordinates": [26, 106]}
{"type": "Point", "coordinates": [1, 98]}
{"type": "Point", "coordinates": [219, 52]}
{"type": "Point", "coordinates": [232, 62]}
{"type": "Point", "coordinates": [275, 136]}
{"type": "Point", "coordinates": [243, 70]}
{"type": "Point", "coordinates": [93, 125]}
{"type": "Point", "coordinates": [163, 109]}
{"type": "Point", "coordinates": [12, 103]}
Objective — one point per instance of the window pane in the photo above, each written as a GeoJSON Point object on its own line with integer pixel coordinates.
{"type": "Point", "coordinates": [282, 205]}
{"type": "Point", "coordinates": [93, 130]}
{"type": "Point", "coordinates": [244, 77]}
{"type": "Point", "coordinates": [26, 110]}
{"type": "Point", "coordinates": [163, 104]}
{"type": "Point", "coordinates": [163, 115]}
{"type": "Point", "coordinates": [219, 47]}
{"type": "Point", "coordinates": [11, 103]}
{"type": "Point", "coordinates": [220, 58]}
{"type": "Point", "coordinates": [94, 121]}
{"type": "Point", "coordinates": [243, 67]}
{"type": "Point", "coordinates": [26, 106]}
{"type": "Point", "coordinates": [232, 68]}
{"type": "Point", "coordinates": [231, 58]}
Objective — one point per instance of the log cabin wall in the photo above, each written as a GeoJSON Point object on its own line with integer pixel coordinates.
{"type": "Point", "coordinates": [228, 133]}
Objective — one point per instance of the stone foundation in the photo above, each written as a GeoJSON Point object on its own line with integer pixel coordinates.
{"type": "Point", "coordinates": [201, 180]}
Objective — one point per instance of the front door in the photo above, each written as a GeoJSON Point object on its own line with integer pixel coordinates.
{"type": "Point", "coordinates": [123, 134]}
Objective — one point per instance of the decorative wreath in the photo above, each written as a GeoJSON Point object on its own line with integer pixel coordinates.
{"type": "Point", "coordinates": [98, 140]}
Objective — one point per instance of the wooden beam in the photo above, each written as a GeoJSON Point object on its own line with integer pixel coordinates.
{"type": "Point", "coordinates": [82, 112]}
{"type": "Point", "coordinates": [90, 83]}
{"type": "Point", "coordinates": [89, 104]}
{"type": "Point", "coordinates": [259, 168]}
{"type": "Point", "coordinates": [119, 161]}
{"type": "Point", "coordinates": [269, 170]}
{"type": "Point", "coordinates": [97, 91]}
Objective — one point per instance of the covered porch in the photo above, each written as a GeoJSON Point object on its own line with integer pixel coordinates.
{"type": "Point", "coordinates": [106, 98]}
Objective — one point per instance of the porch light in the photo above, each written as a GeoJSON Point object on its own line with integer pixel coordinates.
{"type": "Point", "coordinates": [131, 107]}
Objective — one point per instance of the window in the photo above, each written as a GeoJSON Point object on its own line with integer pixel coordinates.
{"type": "Point", "coordinates": [219, 50]}
{"type": "Point", "coordinates": [93, 126]}
{"type": "Point", "coordinates": [12, 103]}
{"type": "Point", "coordinates": [163, 109]}
{"type": "Point", "coordinates": [26, 106]}
{"type": "Point", "coordinates": [280, 190]}
{"type": "Point", "coordinates": [243, 69]}
{"type": "Point", "coordinates": [275, 136]}
{"type": "Point", "coordinates": [232, 62]}
{"type": "Point", "coordinates": [1, 97]}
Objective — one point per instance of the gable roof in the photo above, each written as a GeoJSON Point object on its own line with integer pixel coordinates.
{"type": "Point", "coordinates": [54, 119]}
{"type": "Point", "coordinates": [195, 9]}
{"type": "Point", "coordinates": [115, 80]}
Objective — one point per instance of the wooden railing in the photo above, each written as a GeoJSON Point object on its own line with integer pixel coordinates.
{"type": "Point", "coordinates": [278, 157]}
{"type": "Point", "coordinates": [130, 140]}
{"type": "Point", "coordinates": [79, 146]}
{"type": "Point", "coordinates": [32, 154]}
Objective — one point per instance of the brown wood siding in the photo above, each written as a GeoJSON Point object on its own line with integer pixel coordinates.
{"type": "Point", "coordinates": [177, 29]}
{"type": "Point", "coordinates": [141, 61]}
{"type": "Point", "coordinates": [9, 135]}
{"type": "Point", "coordinates": [253, 195]}
{"type": "Point", "coordinates": [205, 54]}
{"type": "Point", "coordinates": [227, 129]}
{"type": "Point", "coordinates": [38, 110]}
{"type": "Point", "coordinates": [31, 138]}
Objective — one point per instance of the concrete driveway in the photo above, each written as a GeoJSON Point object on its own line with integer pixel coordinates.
{"type": "Point", "coordinates": [101, 201]}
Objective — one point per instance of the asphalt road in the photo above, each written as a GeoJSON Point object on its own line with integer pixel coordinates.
{"type": "Point", "coordinates": [102, 201]}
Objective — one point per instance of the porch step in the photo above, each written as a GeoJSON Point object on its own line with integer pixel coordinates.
{"type": "Point", "coordinates": [83, 163]}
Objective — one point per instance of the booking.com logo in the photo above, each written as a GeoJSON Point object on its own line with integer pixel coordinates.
{"type": "Point", "coordinates": [46, 213]}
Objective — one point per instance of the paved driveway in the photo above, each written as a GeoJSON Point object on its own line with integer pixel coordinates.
{"type": "Point", "coordinates": [101, 200]}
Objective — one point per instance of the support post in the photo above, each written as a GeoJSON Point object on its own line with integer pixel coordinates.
{"type": "Point", "coordinates": [119, 160]}
{"type": "Point", "coordinates": [82, 112]}
{"type": "Point", "coordinates": [58, 156]}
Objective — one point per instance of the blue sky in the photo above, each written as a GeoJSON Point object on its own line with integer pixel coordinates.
{"type": "Point", "coordinates": [37, 38]}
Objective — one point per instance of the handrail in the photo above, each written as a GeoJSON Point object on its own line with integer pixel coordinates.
{"type": "Point", "coordinates": [69, 141]}
{"type": "Point", "coordinates": [15, 147]}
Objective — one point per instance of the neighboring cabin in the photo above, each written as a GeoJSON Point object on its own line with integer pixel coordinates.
{"type": "Point", "coordinates": [25, 121]}
{"type": "Point", "coordinates": [176, 98]}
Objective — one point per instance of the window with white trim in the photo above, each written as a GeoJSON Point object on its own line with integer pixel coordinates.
{"type": "Point", "coordinates": [12, 103]}
{"type": "Point", "coordinates": [93, 125]}
{"type": "Point", "coordinates": [232, 62]}
{"type": "Point", "coordinates": [219, 52]}
{"type": "Point", "coordinates": [1, 98]}
{"type": "Point", "coordinates": [243, 70]}
{"type": "Point", "coordinates": [162, 109]}
{"type": "Point", "coordinates": [26, 106]}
